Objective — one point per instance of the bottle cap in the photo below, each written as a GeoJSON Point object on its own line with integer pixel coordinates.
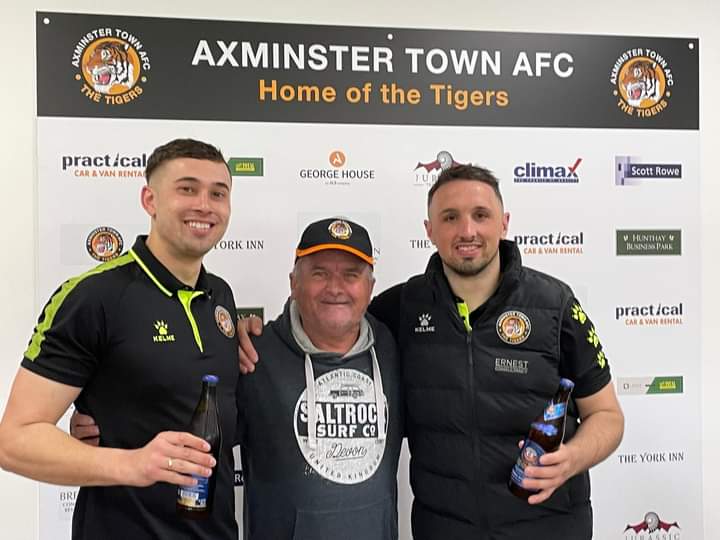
{"type": "Point", "coordinates": [567, 383]}
{"type": "Point", "coordinates": [210, 379]}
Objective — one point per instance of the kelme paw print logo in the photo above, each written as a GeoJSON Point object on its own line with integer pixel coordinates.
{"type": "Point", "coordinates": [162, 336]}
{"type": "Point", "coordinates": [592, 338]}
{"type": "Point", "coordinates": [601, 360]}
{"type": "Point", "coordinates": [161, 327]}
{"type": "Point", "coordinates": [578, 314]}
{"type": "Point", "coordinates": [425, 319]}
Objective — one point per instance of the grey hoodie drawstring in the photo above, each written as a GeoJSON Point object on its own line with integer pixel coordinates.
{"type": "Point", "coordinates": [379, 395]}
{"type": "Point", "coordinates": [310, 401]}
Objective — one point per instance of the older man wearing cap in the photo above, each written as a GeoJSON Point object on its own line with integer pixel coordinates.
{"type": "Point", "coordinates": [321, 424]}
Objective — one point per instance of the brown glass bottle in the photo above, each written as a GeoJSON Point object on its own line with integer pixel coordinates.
{"type": "Point", "coordinates": [546, 434]}
{"type": "Point", "coordinates": [195, 502]}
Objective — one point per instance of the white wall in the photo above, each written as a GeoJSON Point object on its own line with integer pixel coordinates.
{"type": "Point", "coordinates": [701, 18]}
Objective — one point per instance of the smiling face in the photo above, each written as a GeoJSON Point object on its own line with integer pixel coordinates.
{"type": "Point", "coordinates": [188, 201]}
{"type": "Point", "coordinates": [332, 290]}
{"type": "Point", "coordinates": [466, 223]}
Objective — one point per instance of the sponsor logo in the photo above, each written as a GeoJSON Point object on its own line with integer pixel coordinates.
{"type": "Point", "coordinates": [427, 173]}
{"type": "Point", "coordinates": [423, 243]}
{"type": "Point", "coordinates": [162, 335]}
{"type": "Point", "coordinates": [340, 229]}
{"type": "Point", "coordinates": [650, 314]}
{"type": "Point", "coordinates": [638, 386]}
{"type": "Point", "coordinates": [348, 449]}
{"type": "Point", "coordinates": [629, 171]}
{"type": "Point", "coordinates": [648, 242]}
{"type": "Point", "coordinates": [641, 80]}
{"type": "Point", "coordinates": [424, 327]}
{"type": "Point", "coordinates": [532, 173]}
{"type": "Point", "coordinates": [66, 502]}
{"type": "Point", "coordinates": [511, 365]}
{"type": "Point", "coordinates": [513, 327]}
{"type": "Point", "coordinates": [338, 173]}
{"type": "Point", "coordinates": [111, 63]}
{"type": "Point", "coordinates": [652, 458]}
{"type": "Point", "coordinates": [250, 166]}
{"type": "Point", "coordinates": [105, 165]}
{"type": "Point", "coordinates": [245, 312]}
{"type": "Point", "coordinates": [551, 243]}
{"type": "Point", "coordinates": [224, 321]}
{"type": "Point", "coordinates": [240, 245]}
{"type": "Point", "coordinates": [651, 523]}
{"type": "Point", "coordinates": [104, 244]}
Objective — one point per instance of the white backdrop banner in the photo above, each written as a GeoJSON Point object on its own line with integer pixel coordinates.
{"type": "Point", "coordinates": [595, 140]}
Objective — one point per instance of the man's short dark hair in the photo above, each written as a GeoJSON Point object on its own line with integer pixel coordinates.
{"type": "Point", "coordinates": [182, 148]}
{"type": "Point", "coordinates": [465, 172]}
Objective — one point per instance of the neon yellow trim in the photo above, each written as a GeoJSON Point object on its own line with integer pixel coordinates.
{"type": "Point", "coordinates": [464, 312]}
{"type": "Point", "coordinates": [56, 301]}
{"type": "Point", "coordinates": [148, 272]}
{"type": "Point", "coordinates": [186, 297]}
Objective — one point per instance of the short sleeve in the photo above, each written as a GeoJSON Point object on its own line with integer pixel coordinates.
{"type": "Point", "coordinates": [68, 339]}
{"type": "Point", "coordinates": [583, 359]}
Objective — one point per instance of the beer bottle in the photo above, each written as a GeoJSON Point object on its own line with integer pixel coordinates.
{"type": "Point", "coordinates": [195, 502]}
{"type": "Point", "coordinates": [546, 434]}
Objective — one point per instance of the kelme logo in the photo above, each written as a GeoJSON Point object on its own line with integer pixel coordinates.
{"type": "Point", "coordinates": [104, 244]}
{"type": "Point", "coordinates": [648, 242]}
{"type": "Point", "coordinates": [641, 80]}
{"type": "Point", "coordinates": [162, 335]}
{"type": "Point", "coordinates": [246, 166]}
{"type": "Point", "coordinates": [111, 64]}
{"type": "Point", "coordinates": [638, 386]}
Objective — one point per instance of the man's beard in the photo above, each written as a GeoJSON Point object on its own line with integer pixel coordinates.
{"type": "Point", "coordinates": [470, 268]}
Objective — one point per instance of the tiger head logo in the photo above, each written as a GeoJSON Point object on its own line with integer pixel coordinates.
{"type": "Point", "coordinates": [642, 83]}
{"type": "Point", "coordinates": [110, 66]}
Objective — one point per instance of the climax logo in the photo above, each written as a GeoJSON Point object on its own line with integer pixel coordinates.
{"type": "Point", "coordinates": [651, 523]}
{"type": "Point", "coordinates": [111, 63]}
{"type": "Point", "coordinates": [629, 171]}
{"type": "Point", "coordinates": [432, 169]}
{"type": "Point", "coordinates": [532, 173]}
{"type": "Point", "coordinates": [642, 79]}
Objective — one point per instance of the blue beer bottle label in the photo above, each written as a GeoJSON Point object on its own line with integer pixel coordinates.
{"type": "Point", "coordinates": [554, 411]}
{"type": "Point", "coordinates": [529, 455]}
{"type": "Point", "coordinates": [195, 496]}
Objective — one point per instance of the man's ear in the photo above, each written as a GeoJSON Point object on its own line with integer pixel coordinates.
{"type": "Point", "coordinates": [147, 200]}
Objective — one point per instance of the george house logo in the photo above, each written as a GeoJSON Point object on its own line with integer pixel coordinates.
{"type": "Point", "coordinates": [650, 529]}
{"type": "Point", "coordinates": [424, 324]}
{"type": "Point", "coordinates": [104, 244]}
{"type": "Point", "coordinates": [349, 448]}
{"type": "Point", "coordinates": [648, 242]}
{"type": "Point", "coordinates": [111, 64]}
{"type": "Point", "coordinates": [427, 173]}
{"type": "Point", "coordinates": [559, 243]}
{"type": "Point", "coordinates": [650, 314]}
{"type": "Point", "coordinates": [532, 173]}
{"type": "Point", "coordinates": [639, 386]}
{"type": "Point", "coordinates": [641, 80]}
{"type": "Point", "coordinates": [630, 171]}
{"type": "Point", "coordinates": [337, 173]}
{"type": "Point", "coordinates": [110, 166]}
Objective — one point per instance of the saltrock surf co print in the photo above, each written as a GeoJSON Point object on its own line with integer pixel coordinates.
{"type": "Point", "coordinates": [348, 449]}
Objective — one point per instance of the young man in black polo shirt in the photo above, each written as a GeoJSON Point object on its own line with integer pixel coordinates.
{"type": "Point", "coordinates": [128, 342]}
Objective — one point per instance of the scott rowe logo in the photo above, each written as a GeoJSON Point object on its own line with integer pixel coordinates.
{"type": "Point", "coordinates": [648, 241]}
{"type": "Point", "coordinates": [641, 80]}
{"type": "Point", "coordinates": [246, 166]}
{"type": "Point", "coordinates": [111, 63]}
{"type": "Point", "coordinates": [560, 243]}
{"type": "Point", "coordinates": [338, 172]}
{"type": "Point", "coordinates": [630, 170]}
{"type": "Point", "coordinates": [533, 173]}
{"type": "Point", "coordinates": [638, 386]}
{"type": "Point", "coordinates": [650, 314]}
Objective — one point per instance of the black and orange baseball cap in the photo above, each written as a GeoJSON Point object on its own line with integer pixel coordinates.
{"type": "Point", "coordinates": [336, 233]}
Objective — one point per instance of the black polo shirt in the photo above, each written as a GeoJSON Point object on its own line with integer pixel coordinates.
{"type": "Point", "coordinates": [138, 341]}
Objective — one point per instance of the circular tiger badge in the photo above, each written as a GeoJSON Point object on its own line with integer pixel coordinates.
{"type": "Point", "coordinates": [340, 229]}
{"type": "Point", "coordinates": [224, 321]}
{"type": "Point", "coordinates": [513, 327]}
{"type": "Point", "coordinates": [642, 79]}
{"type": "Point", "coordinates": [104, 244]}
